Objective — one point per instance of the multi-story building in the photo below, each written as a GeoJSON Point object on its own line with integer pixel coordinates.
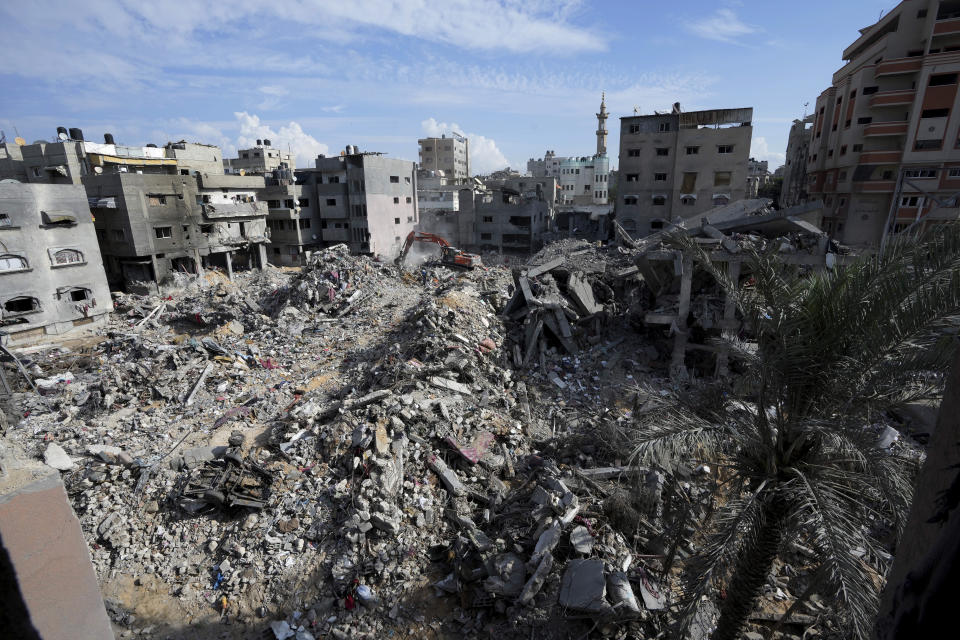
{"type": "Point", "coordinates": [51, 273]}
{"type": "Point", "coordinates": [884, 153]}
{"type": "Point", "coordinates": [758, 175]}
{"type": "Point", "coordinates": [260, 159]}
{"type": "Point", "coordinates": [675, 165]}
{"type": "Point", "coordinates": [362, 199]}
{"type": "Point", "coordinates": [793, 190]}
{"type": "Point", "coordinates": [449, 155]}
{"type": "Point", "coordinates": [582, 180]}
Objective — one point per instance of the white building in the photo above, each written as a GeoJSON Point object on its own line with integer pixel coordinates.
{"type": "Point", "coordinates": [451, 155]}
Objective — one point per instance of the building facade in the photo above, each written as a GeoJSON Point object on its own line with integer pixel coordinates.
{"type": "Point", "coordinates": [362, 199]}
{"type": "Point", "coordinates": [884, 154]}
{"type": "Point", "coordinates": [259, 159]}
{"type": "Point", "coordinates": [793, 190]}
{"type": "Point", "coordinates": [583, 180]}
{"type": "Point", "coordinates": [758, 175]}
{"type": "Point", "coordinates": [51, 273]}
{"type": "Point", "coordinates": [675, 165]}
{"type": "Point", "coordinates": [449, 155]}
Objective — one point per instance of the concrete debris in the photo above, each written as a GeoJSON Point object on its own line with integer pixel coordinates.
{"type": "Point", "coordinates": [583, 587]}
{"type": "Point", "coordinates": [56, 457]}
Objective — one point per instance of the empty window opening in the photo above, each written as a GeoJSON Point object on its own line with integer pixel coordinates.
{"type": "Point", "coordinates": [163, 232]}
{"type": "Point", "coordinates": [725, 148]}
{"type": "Point", "coordinates": [22, 304]}
{"type": "Point", "coordinates": [79, 295]}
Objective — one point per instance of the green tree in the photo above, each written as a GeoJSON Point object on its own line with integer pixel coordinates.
{"type": "Point", "coordinates": [832, 350]}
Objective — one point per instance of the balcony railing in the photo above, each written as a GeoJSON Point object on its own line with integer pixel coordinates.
{"type": "Point", "coordinates": [880, 157]}
{"type": "Point", "coordinates": [899, 66]}
{"type": "Point", "coordinates": [893, 98]}
{"type": "Point", "coordinates": [946, 26]}
{"type": "Point", "coordinates": [885, 129]}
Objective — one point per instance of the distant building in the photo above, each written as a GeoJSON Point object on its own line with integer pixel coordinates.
{"type": "Point", "coordinates": [260, 159]}
{"type": "Point", "coordinates": [793, 191]}
{"type": "Point", "coordinates": [758, 175]}
{"type": "Point", "coordinates": [582, 180]}
{"type": "Point", "coordinates": [884, 152]}
{"type": "Point", "coordinates": [451, 155]}
{"type": "Point", "coordinates": [675, 165]}
{"type": "Point", "coordinates": [362, 199]}
{"type": "Point", "coordinates": [51, 273]}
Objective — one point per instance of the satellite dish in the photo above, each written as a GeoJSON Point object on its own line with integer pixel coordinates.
{"type": "Point", "coordinates": [20, 141]}
{"type": "Point", "coordinates": [98, 170]}
{"type": "Point", "coordinates": [62, 135]}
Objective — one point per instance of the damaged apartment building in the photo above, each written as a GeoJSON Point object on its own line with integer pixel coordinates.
{"type": "Point", "coordinates": [157, 210]}
{"type": "Point", "coordinates": [293, 231]}
{"type": "Point", "coordinates": [51, 278]}
{"type": "Point", "coordinates": [359, 198]}
{"type": "Point", "coordinates": [883, 154]}
{"type": "Point", "coordinates": [680, 164]}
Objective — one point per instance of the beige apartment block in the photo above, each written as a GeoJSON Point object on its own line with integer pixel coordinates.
{"type": "Point", "coordinates": [884, 154]}
{"type": "Point", "coordinates": [448, 154]}
{"type": "Point", "coordinates": [676, 165]}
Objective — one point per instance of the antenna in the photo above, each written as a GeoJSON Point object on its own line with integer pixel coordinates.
{"type": "Point", "coordinates": [3, 137]}
{"type": "Point", "coordinates": [805, 105]}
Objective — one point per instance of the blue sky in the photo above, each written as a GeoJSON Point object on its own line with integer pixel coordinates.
{"type": "Point", "coordinates": [517, 76]}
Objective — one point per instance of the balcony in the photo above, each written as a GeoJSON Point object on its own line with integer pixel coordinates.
{"type": "Point", "coordinates": [946, 27]}
{"type": "Point", "coordinates": [885, 129]}
{"type": "Point", "coordinates": [874, 186]}
{"type": "Point", "coordinates": [880, 157]}
{"type": "Point", "coordinates": [895, 98]}
{"type": "Point", "coordinates": [899, 66]}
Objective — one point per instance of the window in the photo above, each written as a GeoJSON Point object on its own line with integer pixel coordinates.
{"type": "Point", "coordinates": [11, 262]}
{"type": "Point", "coordinates": [163, 232]}
{"type": "Point", "coordinates": [5, 220]}
{"type": "Point", "coordinates": [922, 13]}
{"type": "Point", "coordinates": [101, 235]}
{"type": "Point", "coordinates": [689, 184]}
{"type": "Point", "coordinates": [886, 175]}
{"type": "Point", "coordinates": [935, 113]}
{"type": "Point", "coordinates": [954, 173]}
{"type": "Point", "coordinates": [36, 172]}
{"type": "Point", "coordinates": [830, 153]}
{"type": "Point", "coordinates": [117, 234]}
{"type": "Point", "coordinates": [688, 200]}
{"type": "Point", "coordinates": [409, 200]}
{"type": "Point", "coordinates": [920, 173]}
{"type": "Point", "coordinates": [633, 153]}
{"type": "Point", "coordinates": [631, 200]}
{"type": "Point", "coordinates": [721, 178]}
{"type": "Point", "coordinates": [634, 128]}
{"type": "Point", "coordinates": [927, 144]}
{"type": "Point", "coordinates": [660, 177]}
{"type": "Point", "coordinates": [333, 180]}
{"type": "Point", "coordinates": [692, 151]}
{"type": "Point", "coordinates": [21, 304]}
{"type": "Point", "coordinates": [664, 127]}
{"type": "Point", "coordinates": [67, 256]}
{"type": "Point", "coordinates": [633, 177]}
{"type": "Point", "coordinates": [396, 200]}
{"type": "Point", "coordinates": [486, 236]}
{"type": "Point", "coordinates": [909, 201]}
{"type": "Point", "coordinates": [406, 179]}
{"type": "Point", "coordinates": [864, 120]}
{"type": "Point", "coordinates": [843, 176]}
{"type": "Point", "coordinates": [409, 218]}
{"type": "Point", "coordinates": [156, 200]}
{"type": "Point", "coordinates": [663, 151]}
{"type": "Point", "coordinates": [206, 228]}
{"type": "Point", "coordinates": [725, 148]}
{"type": "Point", "coordinates": [331, 202]}
{"type": "Point", "coordinates": [857, 148]}
{"type": "Point", "coordinates": [656, 224]}
{"type": "Point", "coordinates": [395, 179]}
{"type": "Point", "coordinates": [488, 218]}
{"type": "Point", "coordinates": [943, 79]}
{"type": "Point", "coordinates": [79, 295]}
{"type": "Point", "coordinates": [396, 221]}
{"type": "Point", "coordinates": [870, 90]}
{"type": "Point", "coordinates": [304, 202]}
{"type": "Point", "coordinates": [273, 204]}
{"type": "Point", "coordinates": [659, 200]}
{"type": "Point", "coordinates": [304, 223]}
{"type": "Point", "coordinates": [846, 125]}
{"type": "Point", "coordinates": [843, 150]}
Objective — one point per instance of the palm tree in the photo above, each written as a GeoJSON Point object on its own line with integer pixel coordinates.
{"type": "Point", "coordinates": [831, 351]}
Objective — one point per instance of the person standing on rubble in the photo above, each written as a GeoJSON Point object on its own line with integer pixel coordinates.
{"type": "Point", "coordinates": [423, 276]}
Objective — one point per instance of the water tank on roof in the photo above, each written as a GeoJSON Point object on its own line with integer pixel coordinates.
{"type": "Point", "coordinates": [62, 133]}
{"type": "Point", "coordinates": [76, 134]}
{"type": "Point", "coordinates": [108, 138]}
{"type": "Point", "coordinates": [259, 142]}
{"type": "Point", "coordinates": [266, 142]}
{"type": "Point", "coordinates": [152, 146]}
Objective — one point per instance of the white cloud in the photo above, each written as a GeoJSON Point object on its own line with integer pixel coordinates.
{"type": "Point", "coordinates": [484, 154]}
{"type": "Point", "coordinates": [723, 26]}
{"type": "Point", "coordinates": [655, 92]}
{"type": "Point", "coordinates": [760, 150]}
{"type": "Point", "coordinates": [304, 146]}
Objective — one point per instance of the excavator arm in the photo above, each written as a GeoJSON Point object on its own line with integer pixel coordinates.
{"type": "Point", "coordinates": [415, 236]}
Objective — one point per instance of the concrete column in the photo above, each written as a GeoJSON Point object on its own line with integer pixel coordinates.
{"type": "Point", "coordinates": [729, 321]}
{"type": "Point", "coordinates": [678, 370]}
{"type": "Point", "coordinates": [229, 265]}
{"type": "Point", "coordinates": [154, 265]}
{"type": "Point", "coordinates": [261, 255]}
{"type": "Point", "coordinates": [199, 262]}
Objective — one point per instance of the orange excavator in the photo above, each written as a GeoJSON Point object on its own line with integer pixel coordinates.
{"type": "Point", "coordinates": [449, 256]}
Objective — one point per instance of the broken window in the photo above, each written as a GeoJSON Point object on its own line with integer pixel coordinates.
{"type": "Point", "coordinates": [725, 148]}
{"type": "Point", "coordinates": [206, 228]}
{"type": "Point", "coordinates": [5, 220]}
{"type": "Point", "coordinates": [21, 304]}
{"type": "Point", "coordinates": [79, 294]}
{"type": "Point", "coordinates": [663, 151]}
{"type": "Point", "coordinates": [721, 178]}
{"type": "Point", "coordinates": [304, 202]}
{"type": "Point", "coordinates": [633, 177]}
{"type": "Point", "coordinates": [155, 200]}
{"type": "Point", "coordinates": [163, 232]}
{"type": "Point", "coordinates": [12, 262]}
{"type": "Point", "coordinates": [688, 200]}
{"type": "Point", "coordinates": [67, 256]}
{"type": "Point", "coordinates": [870, 90]}
{"type": "Point", "coordinates": [395, 179]}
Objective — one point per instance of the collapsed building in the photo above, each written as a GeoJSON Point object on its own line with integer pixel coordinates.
{"type": "Point", "coordinates": [51, 278]}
